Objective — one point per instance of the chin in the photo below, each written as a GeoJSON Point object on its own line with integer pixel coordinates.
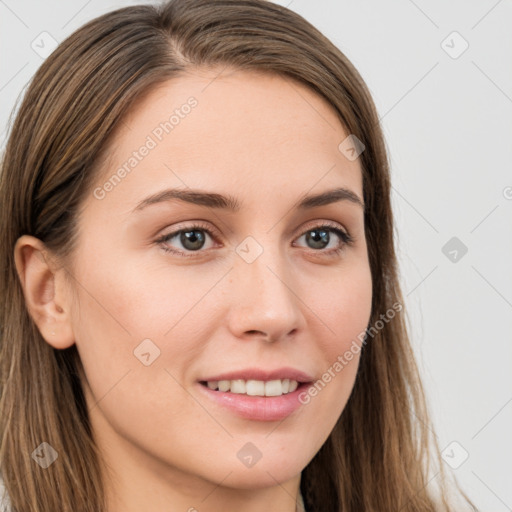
{"type": "Point", "coordinates": [260, 477]}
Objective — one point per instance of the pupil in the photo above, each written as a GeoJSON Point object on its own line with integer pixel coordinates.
{"type": "Point", "coordinates": [320, 240]}
{"type": "Point", "coordinates": [192, 240]}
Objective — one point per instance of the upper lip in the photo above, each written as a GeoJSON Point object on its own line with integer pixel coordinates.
{"type": "Point", "coordinates": [261, 374]}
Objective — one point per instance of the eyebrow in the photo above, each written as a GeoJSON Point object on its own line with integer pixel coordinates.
{"type": "Point", "coordinates": [219, 201]}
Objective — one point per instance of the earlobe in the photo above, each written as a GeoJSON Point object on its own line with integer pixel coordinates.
{"type": "Point", "coordinates": [44, 290]}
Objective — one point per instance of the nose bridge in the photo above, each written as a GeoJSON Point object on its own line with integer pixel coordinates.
{"type": "Point", "coordinates": [264, 299]}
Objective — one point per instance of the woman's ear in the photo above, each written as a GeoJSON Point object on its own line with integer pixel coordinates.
{"type": "Point", "coordinates": [46, 291]}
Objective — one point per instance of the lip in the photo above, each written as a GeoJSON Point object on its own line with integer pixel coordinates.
{"type": "Point", "coordinates": [261, 374]}
{"type": "Point", "coordinates": [258, 408]}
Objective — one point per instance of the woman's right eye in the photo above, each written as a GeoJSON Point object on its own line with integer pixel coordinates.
{"type": "Point", "coordinates": [192, 239]}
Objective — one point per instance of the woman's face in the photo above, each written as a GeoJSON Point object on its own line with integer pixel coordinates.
{"type": "Point", "coordinates": [175, 293]}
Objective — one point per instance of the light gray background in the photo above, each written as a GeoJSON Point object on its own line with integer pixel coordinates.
{"type": "Point", "coordinates": [448, 124]}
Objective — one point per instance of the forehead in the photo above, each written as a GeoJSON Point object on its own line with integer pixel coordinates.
{"type": "Point", "coordinates": [246, 131]}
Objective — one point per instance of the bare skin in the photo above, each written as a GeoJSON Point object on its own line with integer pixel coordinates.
{"type": "Point", "coordinates": [267, 142]}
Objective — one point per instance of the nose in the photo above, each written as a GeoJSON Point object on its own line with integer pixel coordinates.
{"type": "Point", "coordinates": [264, 303]}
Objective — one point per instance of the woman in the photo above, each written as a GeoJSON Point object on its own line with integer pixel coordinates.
{"type": "Point", "coordinates": [200, 303]}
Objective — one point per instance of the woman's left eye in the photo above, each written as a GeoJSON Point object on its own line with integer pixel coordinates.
{"type": "Point", "coordinates": [192, 239]}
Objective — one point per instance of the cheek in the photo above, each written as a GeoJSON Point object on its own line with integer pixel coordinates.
{"type": "Point", "coordinates": [342, 314]}
{"type": "Point", "coordinates": [344, 307]}
{"type": "Point", "coordinates": [132, 298]}
{"type": "Point", "coordinates": [129, 315]}
{"type": "Point", "coordinates": [132, 369]}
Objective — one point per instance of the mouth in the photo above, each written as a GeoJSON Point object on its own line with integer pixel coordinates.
{"type": "Point", "coordinates": [257, 394]}
{"type": "Point", "coordinates": [276, 387]}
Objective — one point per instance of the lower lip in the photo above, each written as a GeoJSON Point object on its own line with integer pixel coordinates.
{"type": "Point", "coordinates": [270, 408]}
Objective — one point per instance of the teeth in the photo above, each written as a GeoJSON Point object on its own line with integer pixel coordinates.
{"type": "Point", "coordinates": [273, 388]}
{"type": "Point", "coordinates": [238, 386]}
{"type": "Point", "coordinates": [255, 387]}
{"type": "Point", "coordinates": [224, 385]}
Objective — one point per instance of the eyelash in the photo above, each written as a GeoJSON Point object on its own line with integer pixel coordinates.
{"type": "Point", "coordinates": [346, 238]}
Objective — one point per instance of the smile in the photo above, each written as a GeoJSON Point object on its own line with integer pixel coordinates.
{"type": "Point", "coordinates": [256, 393]}
{"type": "Point", "coordinates": [275, 387]}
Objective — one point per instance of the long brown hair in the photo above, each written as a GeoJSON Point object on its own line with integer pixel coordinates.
{"type": "Point", "coordinates": [378, 456]}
